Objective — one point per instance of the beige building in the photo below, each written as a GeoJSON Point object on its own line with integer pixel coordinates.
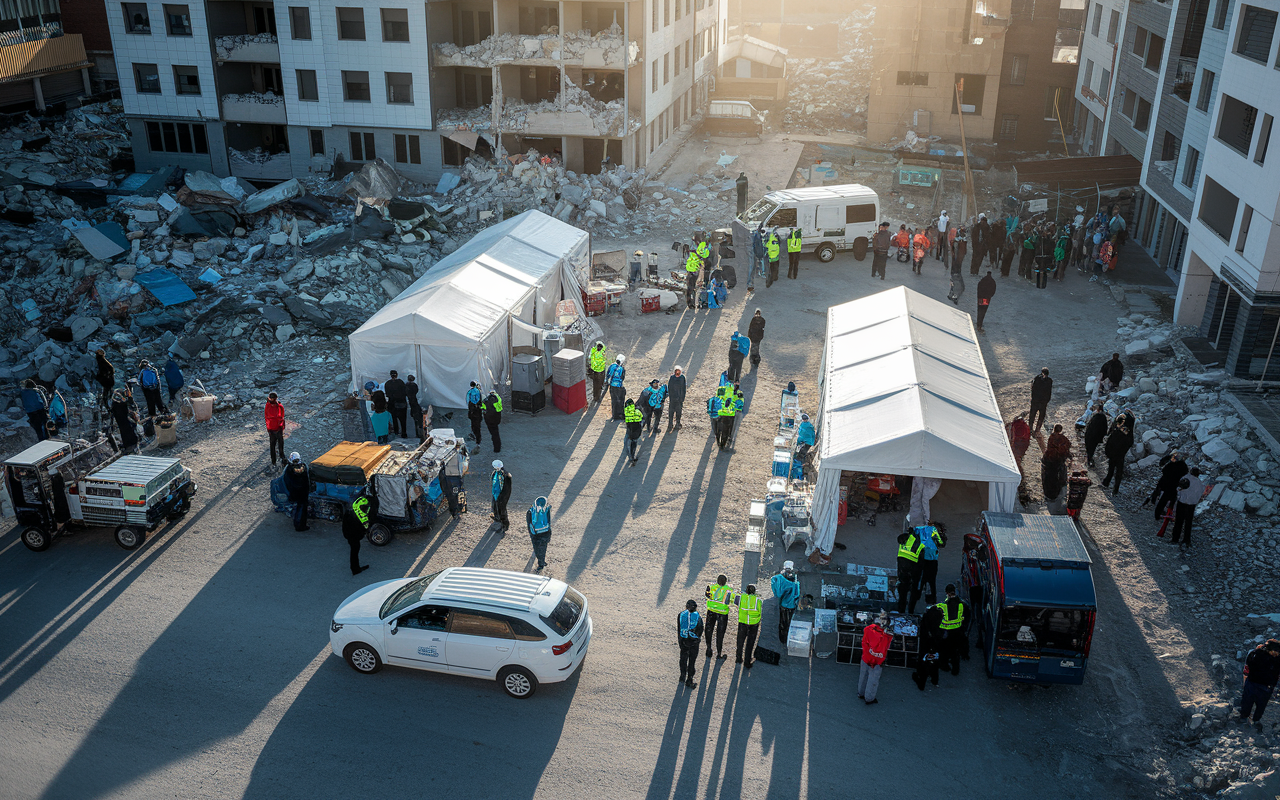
{"type": "Point", "coordinates": [921, 51]}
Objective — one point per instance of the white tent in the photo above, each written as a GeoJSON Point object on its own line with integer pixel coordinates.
{"type": "Point", "coordinates": [451, 326]}
{"type": "Point", "coordinates": [905, 392]}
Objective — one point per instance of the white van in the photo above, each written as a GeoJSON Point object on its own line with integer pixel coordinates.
{"type": "Point", "coordinates": [831, 218]}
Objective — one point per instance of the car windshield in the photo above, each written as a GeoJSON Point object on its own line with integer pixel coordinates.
{"type": "Point", "coordinates": [758, 213]}
{"type": "Point", "coordinates": [406, 596]}
{"type": "Point", "coordinates": [1053, 628]}
{"type": "Point", "coordinates": [566, 615]}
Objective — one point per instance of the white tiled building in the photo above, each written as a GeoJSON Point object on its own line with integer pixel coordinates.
{"type": "Point", "coordinates": [267, 90]}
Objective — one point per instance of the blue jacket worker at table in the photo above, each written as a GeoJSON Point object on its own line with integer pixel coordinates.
{"type": "Point", "coordinates": [786, 588]}
{"type": "Point", "coordinates": [806, 437]}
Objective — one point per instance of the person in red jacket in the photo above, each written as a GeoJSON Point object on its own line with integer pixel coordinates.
{"type": "Point", "coordinates": [875, 649]}
{"type": "Point", "coordinates": [274, 412]}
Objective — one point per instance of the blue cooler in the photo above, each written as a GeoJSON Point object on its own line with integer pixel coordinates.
{"type": "Point", "coordinates": [781, 463]}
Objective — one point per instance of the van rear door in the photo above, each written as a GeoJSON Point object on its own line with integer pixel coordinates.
{"type": "Point", "coordinates": [860, 220]}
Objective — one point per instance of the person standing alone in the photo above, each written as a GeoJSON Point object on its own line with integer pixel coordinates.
{"type": "Point", "coordinates": [616, 374]}
{"type": "Point", "coordinates": [297, 484]}
{"type": "Point", "coordinates": [786, 589]}
{"type": "Point", "coordinates": [355, 524]}
{"type": "Point", "coordinates": [1041, 394]}
{"type": "Point", "coordinates": [875, 649]}
{"type": "Point", "coordinates": [538, 518]}
{"type": "Point", "coordinates": [986, 291]}
{"type": "Point", "coordinates": [689, 626]}
{"type": "Point", "coordinates": [149, 380]}
{"type": "Point", "coordinates": [676, 386]}
{"type": "Point", "coordinates": [596, 362]}
{"type": "Point", "coordinates": [880, 244]}
{"type": "Point", "coordinates": [755, 334]}
{"type": "Point", "coordinates": [1261, 671]}
{"type": "Point", "coordinates": [500, 484]}
{"type": "Point", "coordinates": [274, 414]}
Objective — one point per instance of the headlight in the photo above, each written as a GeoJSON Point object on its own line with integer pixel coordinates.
{"type": "Point", "coordinates": [335, 626]}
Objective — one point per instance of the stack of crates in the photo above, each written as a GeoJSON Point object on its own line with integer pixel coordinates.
{"type": "Point", "coordinates": [569, 380]}
{"type": "Point", "coordinates": [595, 303]}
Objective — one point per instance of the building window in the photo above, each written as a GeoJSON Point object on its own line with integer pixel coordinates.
{"type": "Point", "coordinates": [395, 25]}
{"type": "Point", "coordinates": [1235, 126]}
{"type": "Point", "coordinates": [307, 89]}
{"type": "Point", "coordinates": [1097, 18]}
{"type": "Point", "coordinates": [1246, 218]}
{"type": "Point", "coordinates": [1206, 90]}
{"type": "Point", "coordinates": [355, 86]}
{"type": "Point", "coordinates": [351, 24]}
{"type": "Point", "coordinates": [972, 88]}
{"type": "Point", "coordinates": [1104, 88]}
{"type": "Point", "coordinates": [362, 148]}
{"type": "Point", "coordinates": [1142, 115]}
{"type": "Point", "coordinates": [178, 20]}
{"type": "Point", "coordinates": [1218, 208]}
{"type": "Point", "coordinates": [1148, 47]}
{"type": "Point", "coordinates": [1018, 70]}
{"type": "Point", "coordinates": [400, 88]}
{"type": "Point", "coordinates": [408, 150]}
{"type": "Point", "coordinates": [1221, 13]}
{"type": "Point", "coordinates": [666, 13]}
{"type": "Point", "coordinates": [177, 137]}
{"type": "Point", "coordinates": [1189, 166]}
{"type": "Point", "coordinates": [1257, 26]}
{"type": "Point", "coordinates": [677, 59]}
{"type": "Point", "coordinates": [300, 22]}
{"type": "Point", "coordinates": [654, 79]}
{"type": "Point", "coordinates": [913, 78]}
{"type": "Point", "coordinates": [687, 47]}
{"type": "Point", "coordinates": [1088, 74]}
{"type": "Point", "coordinates": [317, 141]}
{"type": "Point", "coordinates": [666, 68]}
{"type": "Point", "coordinates": [679, 5]}
{"type": "Point", "coordinates": [146, 78]}
{"type": "Point", "coordinates": [1170, 147]}
{"type": "Point", "coordinates": [186, 79]}
{"type": "Point", "coordinates": [1009, 127]}
{"type": "Point", "coordinates": [1114, 28]}
{"type": "Point", "coordinates": [655, 15]}
{"type": "Point", "coordinates": [136, 18]}
{"type": "Point", "coordinates": [1264, 139]}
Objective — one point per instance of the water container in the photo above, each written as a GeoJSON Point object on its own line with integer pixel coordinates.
{"type": "Point", "coordinates": [800, 639]}
{"type": "Point", "coordinates": [203, 407]}
{"type": "Point", "coordinates": [776, 485]}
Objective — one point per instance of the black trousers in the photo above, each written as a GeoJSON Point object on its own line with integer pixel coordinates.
{"type": "Point", "coordinates": [677, 409]}
{"type": "Point", "coordinates": [37, 419]}
{"type": "Point", "coordinates": [975, 260]}
{"type": "Point", "coordinates": [449, 485]}
{"type": "Point", "coordinates": [300, 514]}
{"type": "Point", "coordinates": [597, 386]}
{"type": "Point", "coordinates": [1042, 268]}
{"type": "Point", "coordinates": [355, 554]}
{"type": "Point", "coordinates": [908, 586]}
{"type": "Point", "coordinates": [1036, 418]}
{"type": "Point", "coordinates": [1115, 466]}
{"type": "Point", "coordinates": [617, 397]}
{"type": "Point", "coordinates": [275, 441]}
{"type": "Point", "coordinates": [500, 513]}
{"type": "Point", "coordinates": [1166, 499]}
{"type": "Point", "coordinates": [475, 429]}
{"type": "Point", "coordinates": [1090, 448]}
{"type": "Point", "coordinates": [691, 289]}
{"type": "Point", "coordinates": [106, 394]}
{"type": "Point", "coordinates": [415, 412]}
{"type": "Point", "coordinates": [784, 622]}
{"type": "Point", "coordinates": [1006, 263]}
{"type": "Point", "coordinates": [926, 670]}
{"type": "Point", "coordinates": [632, 448]}
{"type": "Point", "coordinates": [953, 643]}
{"type": "Point", "coordinates": [716, 626]}
{"type": "Point", "coordinates": [735, 366]}
{"type": "Point", "coordinates": [982, 312]}
{"type": "Point", "coordinates": [540, 542]}
{"type": "Point", "coordinates": [747, 637]}
{"type": "Point", "coordinates": [1183, 514]}
{"type": "Point", "coordinates": [399, 421]}
{"type": "Point", "coordinates": [724, 430]}
{"type": "Point", "coordinates": [773, 274]}
{"type": "Point", "coordinates": [878, 262]}
{"type": "Point", "coordinates": [929, 578]}
{"type": "Point", "coordinates": [793, 265]}
{"type": "Point", "coordinates": [688, 657]}
{"type": "Point", "coordinates": [155, 404]}
{"type": "Point", "coordinates": [494, 435]}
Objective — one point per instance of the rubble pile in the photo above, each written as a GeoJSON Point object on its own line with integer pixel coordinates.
{"type": "Point", "coordinates": [226, 45]}
{"type": "Point", "coordinates": [573, 46]}
{"type": "Point", "coordinates": [608, 118]}
{"type": "Point", "coordinates": [83, 142]}
{"type": "Point", "coordinates": [826, 95]}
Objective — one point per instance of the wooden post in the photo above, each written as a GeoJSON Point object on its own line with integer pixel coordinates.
{"type": "Point", "coordinates": [964, 148]}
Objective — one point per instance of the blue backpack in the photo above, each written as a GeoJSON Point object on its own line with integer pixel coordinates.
{"type": "Point", "coordinates": [149, 378]}
{"type": "Point", "coordinates": [713, 406]}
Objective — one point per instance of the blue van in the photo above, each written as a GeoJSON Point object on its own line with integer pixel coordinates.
{"type": "Point", "coordinates": [1038, 605]}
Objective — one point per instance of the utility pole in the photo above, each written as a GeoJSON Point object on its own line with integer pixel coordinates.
{"type": "Point", "coordinates": [964, 149]}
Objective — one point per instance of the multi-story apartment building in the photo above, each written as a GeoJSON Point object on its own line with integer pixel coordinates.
{"type": "Point", "coordinates": [1230, 281]}
{"type": "Point", "coordinates": [266, 90]}
{"type": "Point", "coordinates": [42, 53]}
{"type": "Point", "coordinates": [1041, 50]}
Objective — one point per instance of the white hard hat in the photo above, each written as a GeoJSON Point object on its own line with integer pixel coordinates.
{"type": "Point", "coordinates": [788, 565]}
{"type": "Point", "coordinates": [621, 359]}
{"type": "Point", "coordinates": [294, 457]}
{"type": "Point", "coordinates": [497, 464]}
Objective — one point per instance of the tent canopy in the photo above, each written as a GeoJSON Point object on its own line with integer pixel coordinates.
{"type": "Point", "coordinates": [450, 326]}
{"type": "Point", "coordinates": [906, 392]}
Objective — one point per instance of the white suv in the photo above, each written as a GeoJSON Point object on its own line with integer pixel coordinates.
{"type": "Point", "coordinates": [513, 627]}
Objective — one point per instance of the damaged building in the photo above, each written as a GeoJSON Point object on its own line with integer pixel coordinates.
{"type": "Point", "coordinates": [284, 90]}
{"type": "Point", "coordinates": [50, 54]}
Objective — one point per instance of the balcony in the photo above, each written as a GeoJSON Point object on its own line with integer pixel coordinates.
{"type": "Point", "coordinates": [573, 113]}
{"type": "Point", "coordinates": [31, 59]}
{"type": "Point", "coordinates": [605, 50]}
{"type": "Point", "coordinates": [262, 107]}
{"type": "Point", "coordinates": [255, 47]}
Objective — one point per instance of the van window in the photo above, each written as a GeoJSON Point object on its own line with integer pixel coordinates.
{"type": "Point", "coordinates": [479, 623]}
{"type": "Point", "coordinates": [861, 213]}
{"type": "Point", "coordinates": [759, 212]}
{"type": "Point", "coordinates": [1053, 628]}
{"type": "Point", "coordinates": [783, 218]}
{"type": "Point", "coordinates": [566, 615]}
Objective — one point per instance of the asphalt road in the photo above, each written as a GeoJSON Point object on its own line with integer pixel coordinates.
{"type": "Point", "coordinates": [199, 665]}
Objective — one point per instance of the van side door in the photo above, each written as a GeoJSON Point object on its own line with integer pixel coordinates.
{"type": "Point", "coordinates": [417, 638]}
{"type": "Point", "coordinates": [479, 642]}
{"type": "Point", "coordinates": [830, 225]}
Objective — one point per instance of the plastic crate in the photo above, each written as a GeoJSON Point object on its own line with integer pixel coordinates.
{"type": "Point", "coordinates": [569, 399]}
{"type": "Point", "coordinates": [648, 305]}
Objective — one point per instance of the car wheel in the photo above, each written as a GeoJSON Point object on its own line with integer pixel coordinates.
{"type": "Point", "coordinates": [518, 682]}
{"type": "Point", "coordinates": [825, 252]}
{"type": "Point", "coordinates": [860, 249]}
{"type": "Point", "coordinates": [362, 658]}
{"type": "Point", "coordinates": [129, 537]}
{"type": "Point", "coordinates": [37, 539]}
{"type": "Point", "coordinates": [379, 534]}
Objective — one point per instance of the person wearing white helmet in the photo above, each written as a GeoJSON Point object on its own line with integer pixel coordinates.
{"type": "Point", "coordinates": [501, 484]}
{"type": "Point", "coordinates": [297, 484]}
{"type": "Point", "coordinates": [538, 518]}
{"type": "Point", "coordinates": [786, 588]}
{"type": "Point", "coordinates": [615, 375]}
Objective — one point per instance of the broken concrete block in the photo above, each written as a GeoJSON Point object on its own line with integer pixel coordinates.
{"type": "Point", "coordinates": [276, 315]}
{"type": "Point", "coordinates": [182, 258]}
{"type": "Point", "coordinates": [84, 327]}
{"type": "Point", "coordinates": [284, 333]}
{"type": "Point", "coordinates": [1149, 461]}
{"type": "Point", "coordinates": [599, 208]}
{"type": "Point", "coordinates": [278, 239]}
{"type": "Point", "coordinates": [1137, 346]}
{"type": "Point", "coordinates": [1220, 452]}
{"type": "Point", "coordinates": [299, 271]}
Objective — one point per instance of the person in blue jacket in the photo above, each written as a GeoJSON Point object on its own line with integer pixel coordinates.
{"type": "Point", "coordinates": [501, 486]}
{"type": "Point", "coordinates": [615, 376]}
{"type": "Point", "coordinates": [36, 403]}
{"type": "Point", "coordinates": [932, 538]}
{"type": "Point", "coordinates": [786, 588]}
{"type": "Point", "coordinates": [736, 354]}
{"type": "Point", "coordinates": [538, 518]}
{"type": "Point", "coordinates": [656, 397]}
{"type": "Point", "coordinates": [173, 378]}
{"type": "Point", "coordinates": [806, 437]}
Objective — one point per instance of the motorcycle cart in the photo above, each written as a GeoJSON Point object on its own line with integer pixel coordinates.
{"type": "Point", "coordinates": [56, 484]}
{"type": "Point", "coordinates": [403, 483]}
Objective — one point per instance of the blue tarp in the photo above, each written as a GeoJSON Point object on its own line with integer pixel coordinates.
{"type": "Point", "coordinates": [167, 287]}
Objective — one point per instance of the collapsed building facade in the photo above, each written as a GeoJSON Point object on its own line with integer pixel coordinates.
{"type": "Point", "coordinates": [50, 54]}
{"type": "Point", "coordinates": [284, 90]}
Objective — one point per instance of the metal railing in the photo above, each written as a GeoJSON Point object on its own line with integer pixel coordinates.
{"type": "Point", "coordinates": [49, 30]}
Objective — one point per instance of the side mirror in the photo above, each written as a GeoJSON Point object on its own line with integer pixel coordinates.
{"type": "Point", "coordinates": [394, 626]}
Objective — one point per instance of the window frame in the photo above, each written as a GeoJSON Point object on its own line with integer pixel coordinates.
{"type": "Point", "coordinates": [382, 15]}
{"type": "Point", "coordinates": [346, 84]}
{"type": "Point", "coordinates": [294, 33]}
{"type": "Point", "coordinates": [1016, 61]}
{"type": "Point", "coordinates": [387, 81]}
{"type": "Point", "coordinates": [1246, 18]}
{"type": "Point", "coordinates": [467, 616]}
{"type": "Point", "coordinates": [1008, 129]}
{"type": "Point", "coordinates": [162, 134]}
{"type": "Point", "coordinates": [409, 145]}
{"type": "Point", "coordinates": [1190, 165]}
{"type": "Point", "coordinates": [137, 78]}
{"type": "Point", "coordinates": [312, 135]}
{"type": "Point", "coordinates": [177, 79]}
{"type": "Point", "coordinates": [342, 37]}
{"type": "Point", "coordinates": [1204, 100]}
{"type": "Point", "coordinates": [367, 145]}
{"type": "Point", "coordinates": [168, 27]}
{"type": "Point", "coordinates": [315, 85]}
{"type": "Point", "coordinates": [128, 20]}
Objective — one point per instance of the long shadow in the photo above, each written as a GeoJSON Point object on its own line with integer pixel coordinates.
{"type": "Point", "coordinates": [699, 731]}
{"type": "Point", "coordinates": [664, 766]}
{"type": "Point", "coordinates": [695, 527]}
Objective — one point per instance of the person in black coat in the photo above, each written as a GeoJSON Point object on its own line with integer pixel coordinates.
{"type": "Point", "coordinates": [105, 376]}
{"type": "Point", "coordinates": [126, 419]}
{"type": "Point", "coordinates": [1173, 468]}
{"type": "Point", "coordinates": [981, 243]}
{"type": "Point", "coordinates": [1095, 430]}
{"type": "Point", "coordinates": [1112, 371]}
{"type": "Point", "coordinates": [986, 291]}
{"type": "Point", "coordinates": [492, 407]}
{"type": "Point", "coordinates": [415, 410]}
{"type": "Point", "coordinates": [297, 484]}
{"type": "Point", "coordinates": [676, 386]}
{"type": "Point", "coordinates": [354, 529]}
{"type": "Point", "coordinates": [1116, 448]}
{"type": "Point", "coordinates": [1041, 394]}
{"type": "Point", "coordinates": [755, 332]}
{"type": "Point", "coordinates": [397, 404]}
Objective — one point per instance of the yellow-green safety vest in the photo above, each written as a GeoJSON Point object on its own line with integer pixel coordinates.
{"type": "Point", "coordinates": [632, 414]}
{"type": "Point", "coordinates": [749, 608]}
{"type": "Point", "coordinates": [948, 623]}
{"type": "Point", "coordinates": [497, 404]}
{"type": "Point", "coordinates": [728, 404]}
{"type": "Point", "coordinates": [597, 359]}
{"type": "Point", "coordinates": [360, 507]}
{"type": "Point", "coordinates": [911, 548]}
{"type": "Point", "coordinates": [794, 241]}
{"type": "Point", "coordinates": [718, 599]}
{"type": "Point", "coordinates": [703, 250]}
{"type": "Point", "coordinates": [772, 247]}
{"type": "Point", "coordinates": [692, 263]}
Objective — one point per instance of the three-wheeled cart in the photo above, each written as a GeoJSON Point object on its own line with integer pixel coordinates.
{"type": "Point", "coordinates": [404, 484]}
{"type": "Point", "coordinates": [55, 484]}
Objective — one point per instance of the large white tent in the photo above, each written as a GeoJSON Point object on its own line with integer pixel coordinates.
{"type": "Point", "coordinates": [905, 392]}
{"type": "Point", "coordinates": [451, 326]}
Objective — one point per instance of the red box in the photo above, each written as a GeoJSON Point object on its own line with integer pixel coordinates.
{"type": "Point", "coordinates": [595, 303]}
{"type": "Point", "coordinates": [650, 304]}
{"type": "Point", "coordinates": [569, 399]}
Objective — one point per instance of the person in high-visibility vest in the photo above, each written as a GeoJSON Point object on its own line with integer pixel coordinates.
{"type": "Point", "coordinates": [492, 407]}
{"type": "Point", "coordinates": [795, 241]}
{"type": "Point", "coordinates": [692, 265]}
{"type": "Point", "coordinates": [728, 409]}
{"type": "Point", "coordinates": [774, 249]}
{"type": "Point", "coordinates": [719, 595]}
{"type": "Point", "coordinates": [597, 363]}
{"type": "Point", "coordinates": [634, 420]}
{"type": "Point", "coordinates": [955, 630]}
{"type": "Point", "coordinates": [689, 636]}
{"type": "Point", "coordinates": [355, 524]}
{"type": "Point", "coordinates": [909, 549]}
{"type": "Point", "coordinates": [538, 518]}
{"type": "Point", "coordinates": [749, 606]}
